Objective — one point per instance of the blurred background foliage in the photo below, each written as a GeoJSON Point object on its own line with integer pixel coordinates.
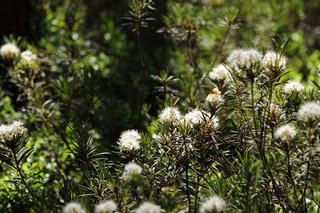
{"type": "Point", "coordinates": [99, 65]}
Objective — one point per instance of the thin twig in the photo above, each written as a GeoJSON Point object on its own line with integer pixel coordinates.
{"type": "Point", "coordinates": [142, 63]}
{"type": "Point", "coordinates": [22, 176]}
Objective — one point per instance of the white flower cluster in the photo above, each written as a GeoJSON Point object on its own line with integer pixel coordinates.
{"type": "Point", "coordinates": [73, 208]}
{"type": "Point", "coordinates": [9, 51]}
{"type": "Point", "coordinates": [148, 207]}
{"type": "Point", "coordinates": [212, 205]}
{"type": "Point", "coordinates": [170, 115]}
{"type": "Point", "coordinates": [129, 140]}
{"type": "Point", "coordinates": [108, 206]}
{"type": "Point", "coordinates": [310, 111]}
{"type": "Point", "coordinates": [10, 132]}
{"type": "Point", "coordinates": [247, 59]}
{"type": "Point", "coordinates": [285, 132]}
{"type": "Point", "coordinates": [131, 170]}
{"type": "Point", "coordinates": [244, 59]}
{"type": "Point", "coordinates": [28, 60]}
{"type": "Point", "coordinates": [273, 60]}
{"type": "Point", "coordinates": [28, 56]}
{"type": "Point", "coordinates": [214, 98]}
{"type": "Point", "coordinates": [196, 117]}
{"type": "Point", "coordinates": [220, 73]}
{"type": "Point", "coordinates": [293, 87]}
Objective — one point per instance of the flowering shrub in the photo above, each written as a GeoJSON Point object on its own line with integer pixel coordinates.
{"type": "Point", "coordinates": [226, 129]}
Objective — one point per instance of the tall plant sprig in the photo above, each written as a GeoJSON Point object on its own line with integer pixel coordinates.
{"type": "Point", "coordinates": [83, 147]}
{"type": "Point", "coordinates": [101, 184]}
{"type": "Point", "coordinates": [311, 137]}
{"type": "Point", "coordinates": [272, 82]}
{"type": "Point", "coordinates": [137, 18]}
{"type": "Point", "coordinates": [229, 22]}
{"type": "Point", "coordinates": [30, 78]}
{"type": "Point", "coordinates": [93, 184]}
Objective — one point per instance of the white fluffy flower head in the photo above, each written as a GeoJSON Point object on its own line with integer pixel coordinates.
{"type": "Point", "coordinates": [129, 140]}
{"type": "Point", "coordinates": [293, 87]}
{"type": "Point", "coordinates": [28, 56]}
{"type": "Point", "coordinates": [310, 111]}
{"type": "Point", "coordinates": [12, 131]}
{"type": "Point", "coordinates": [9, 50]}
{"type": "Point", "coordinates": [285, 132]}
{"type": "Point", "coordinates": [148, 207]}
{"type": "Point", "coordinates": [194, 117]}
{"type": "Point", "coordinates": [73, 208]}
{"type": "Point", "coordinates": [214, 98]}
{"type": "Point", "coordinates": [212, 205]}
{"type": "Point", "coordinates": [274, 61]}
{"type": "Point", "coordinates": [170, 115]}
{"type": "Point", "coordinates": [220, 73]}
{"type": "Point", "coordinates": [244, 59]}
{"type": "Point", "coordinates": [108, 206]}
{"type": "Point", "coordinates": [131, 170]}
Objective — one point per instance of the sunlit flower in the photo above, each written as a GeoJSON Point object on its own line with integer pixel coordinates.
{"type": "Point", "coordinates": [274, 61]}
{"type": "Point", "coordinates": [170, 115]}
{"type": "Point", "coordinates": [148, 207]}
{"type": "Point", "coordinates": [293, 87]}
{"type": "Point", "coordinates": [285, 132]}
{"type": "Point", "coordinates": [28, 60]}
{"type": "Point", "coordinates": [244, 59]}
{"type": "Point", "coordinates": [129, 140]}
{"type": "Point", "coordinates": [12, 131]}
{"type": "Point", "coordinates": [220, 73]}
{"type": "Point", "coordinates": [108, 206]}
{"type": "Point", "coordinates": [131, 170]}
{"type": "Point", "coordinates": [194, 117]}
{"type": "Point", "coordinates": [28, 56]}
{"type": "Point", "coordinates": [309, 111]}
{"type": "Point", "coordinates": [214, 98]}
{"type": "Point", "coordinates": [9, 51]}
{"type": "Point", "coordinates": [212, 205]}
{"type": "Point", "coordinates": [73, 208]}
